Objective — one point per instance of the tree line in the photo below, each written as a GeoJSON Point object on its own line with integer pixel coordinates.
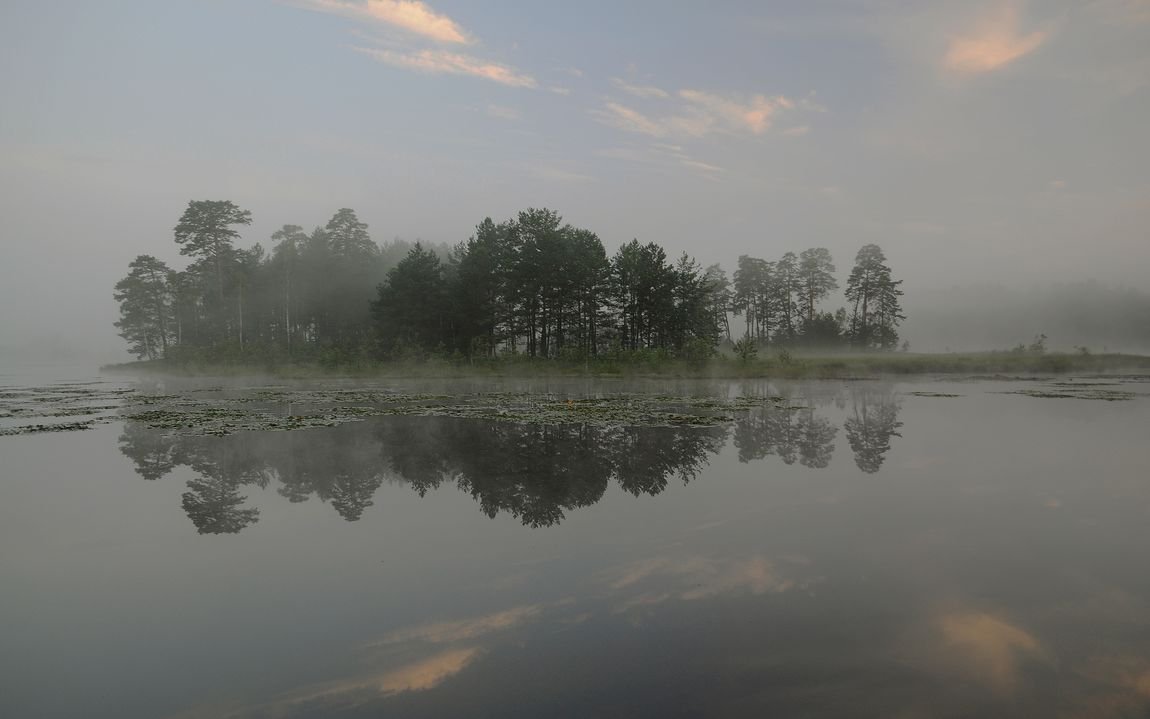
{"type": "Point", "coordinates": [531, 285]}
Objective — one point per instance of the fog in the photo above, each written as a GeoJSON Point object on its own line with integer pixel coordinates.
{"type": "Point", "coordinates": [996, 151]}
{"type": "Point", "coordinates": [1101, 318]}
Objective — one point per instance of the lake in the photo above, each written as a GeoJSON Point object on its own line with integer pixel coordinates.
{"type": "Point", "coordinates": [571, 548]}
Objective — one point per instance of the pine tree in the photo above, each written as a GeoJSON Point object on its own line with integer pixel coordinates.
{"type": "Point", "coordinates": [146, 318]}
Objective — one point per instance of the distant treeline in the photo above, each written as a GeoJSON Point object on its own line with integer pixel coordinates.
{"type": "Point", "coordinates": [531, 286]}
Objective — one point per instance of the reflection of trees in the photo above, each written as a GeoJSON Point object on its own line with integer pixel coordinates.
{"type": "Point", "coordinates": [873, 422]}
{"type": "Point", "coordinates": [797, 432]}
{"type": "Point", "coordinates": [816, 441]}
{"type": "Point", "coordinates": [215, 504]}
{"type": "Point", "coordinates": [213, 501]}
{"type": "Point", "coordinates": [790, 433]}
{"type": "Point", "coordinates": [149, 450]}
{"type": "Point", "coordinates": [534, 472]}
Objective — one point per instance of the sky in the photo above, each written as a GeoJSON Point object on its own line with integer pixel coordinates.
{"type": "Point", "coordinates": [976, 142]}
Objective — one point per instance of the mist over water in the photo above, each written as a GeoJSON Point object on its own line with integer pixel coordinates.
{"type": "Point", "coordinates": [432, 358]}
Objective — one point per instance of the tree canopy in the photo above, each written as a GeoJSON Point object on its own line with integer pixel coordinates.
{"type": "Point", "coordinates": [531, 285]}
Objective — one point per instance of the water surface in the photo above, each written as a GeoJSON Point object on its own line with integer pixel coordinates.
{"type": "Point", "coordinates": [862, 548]}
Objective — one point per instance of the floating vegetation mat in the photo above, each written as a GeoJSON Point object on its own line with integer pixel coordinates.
{"type": "Point", "coordinates": [220, 411]}
{"type": "Point", "coordinates": [94, 402]}
{"type": "Point", "coordinates": [314, 408]}
{"type": "Point", "coordinates": [1065, 391]}
{"type": "Point", "coordinates": [217, 410]}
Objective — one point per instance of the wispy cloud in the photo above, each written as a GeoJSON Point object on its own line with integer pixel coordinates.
{"type": "Point", "coordinates": [993, 44]}
{"type": "Point", "coordinates": [754, 114]}
{"type": "Point", "coordinates": [706, 167]}
{"type": "Point", "coordinates": [409, 15]}
{"type": "Point", "coordinates": [797, 131]}
{"type": "Point", "coordinates": [442, 62]}
{"type": "Point", "coordinates": [639, 90]}
{"type": "Point", "coordinates": [697, 114]}
{"type": "Point", "coordinates": [631, 120]}
{"type": "Point", "coordinates": [420, 23]}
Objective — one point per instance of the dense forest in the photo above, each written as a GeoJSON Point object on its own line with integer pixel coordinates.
{"type": "Point", "coordinates": [529, 286]}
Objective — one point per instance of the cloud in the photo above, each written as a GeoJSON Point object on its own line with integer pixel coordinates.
{"type": "Point", "coordinates": [754, 114]}
{"type": "Point", "coordinates": [647, 91]}
{"type": "Point", "coordinates": [694, 124]}
{"type": "Point", "coordinates": [560, 90]}
{"type": "Point", "coordinates": [798, 131]}
{"type": "Point", "coordinates": [631, 120]}
{"type": "Point", "coordinates": [994, 44]}
{"type": "Point", "coordinates": [417, 19]}
{"type": "Point", "coordinates": [409, 15]}
{"type": "Point", "coordinates": [699, 114]}
{"type": "Point", "coordinates": [441, 62]}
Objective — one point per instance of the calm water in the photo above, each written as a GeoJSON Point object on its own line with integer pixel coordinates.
{"type": "Point", "coordinates": [858, 550]}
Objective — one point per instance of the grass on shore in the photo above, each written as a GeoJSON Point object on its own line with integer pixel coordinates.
{"type": "Point", "coordinates": [779, 366]}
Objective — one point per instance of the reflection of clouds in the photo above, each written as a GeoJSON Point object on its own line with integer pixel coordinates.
{"type": "Point", "coordinates": [991, 649]}
{"type": "Point", "coordinates": [697, 577]}
{"type": "Point", "coordinates": [428, 673]}
{"type": "Point", "coordinates": [1123, 687]}
{"type": "Point", "coordinates": [454, 631]}
{"type": "Point", "coordinates": [414, 675]}
{"type": "Point", "coordinates": [343, 694]}
{"type": "Point", "coordinates": [417, 676]}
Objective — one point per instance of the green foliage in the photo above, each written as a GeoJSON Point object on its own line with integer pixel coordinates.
{"type": "Point", "coordinates": [874, 296]}
{"type": "Point", "coordinates": [816, 278]}
{"type": "Point", "coordinates": [532, 287]}
{"type": "Point", "coordinates": [411, 307]}
{"type": "Point", "coordinates": [746, 349]}
{"type": "Point", "coordinates": [146, 307]}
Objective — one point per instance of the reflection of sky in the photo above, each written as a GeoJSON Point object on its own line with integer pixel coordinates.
{"type": "Point", "coordinates": [944, 584]}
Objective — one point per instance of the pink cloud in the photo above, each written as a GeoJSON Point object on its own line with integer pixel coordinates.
{"type": "Point", "coordinates": [996, 43]}
{"type": "Point", "coordinates": [410, 15]}
{"type": "Point", "coordinates": [447, 63]}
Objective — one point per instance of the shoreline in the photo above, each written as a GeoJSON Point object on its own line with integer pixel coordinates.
{"type": "Point", "coordinates": [855, 366]}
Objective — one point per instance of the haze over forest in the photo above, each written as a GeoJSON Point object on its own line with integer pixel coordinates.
{"type": "Point", "coordinates": [996, 151]}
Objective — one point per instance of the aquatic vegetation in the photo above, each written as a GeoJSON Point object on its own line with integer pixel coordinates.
{"type": "Point", "coordinates": [221, 410]}
{"type": "Point", "coordinates": [324, 408]}
{"type": "Point", "coordinates": [1065, 392]}
{"type": "Point", "coordinates": [38, 428]}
